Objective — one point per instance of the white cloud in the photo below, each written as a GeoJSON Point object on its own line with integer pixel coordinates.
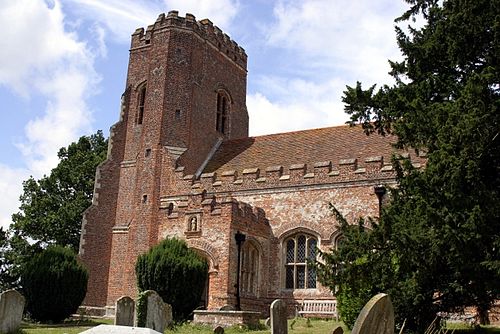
{"type": "Point", "coordinates": [33, 37]}
{"type": "Point", "coordinates": [39, 57]}
{"type": "Point", "coordinates": [10, 190]}
{"type": "Point", "coordinates": [328, 45]}
{"type": "Point", "coordinates": [220, 12]}
{"type": "Point", "coordinates": [122, 17]}
{"type": "Point", "coordinates": [353, 37]}
{"type": "Point", "coordinates": [296, 105]}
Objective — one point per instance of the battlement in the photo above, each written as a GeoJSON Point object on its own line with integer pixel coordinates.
{"type": "Point", "coordinates": [205, 29]}
{"type": "Point", "coordinates": [210, 205]}
{"type": "Point", "coordinates": [372, 169]}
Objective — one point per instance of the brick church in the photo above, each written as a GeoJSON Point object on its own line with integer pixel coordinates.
{"type": "Point", "coordinates": [181, 164]}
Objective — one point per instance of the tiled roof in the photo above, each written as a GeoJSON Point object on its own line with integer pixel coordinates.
{"type": "Point", "coordinates": [300, 147]}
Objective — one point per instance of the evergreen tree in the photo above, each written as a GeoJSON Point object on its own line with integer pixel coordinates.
{"type": "Point", "coordinates": [176, 273]}
{"type": "Point", "coordinates": [437, 245]}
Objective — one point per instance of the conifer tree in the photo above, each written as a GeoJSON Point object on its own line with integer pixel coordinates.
{"type": "Point", "coordinates": [437, 246]}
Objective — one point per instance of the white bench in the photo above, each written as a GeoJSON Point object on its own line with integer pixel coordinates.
{"type": "Point", "coordinates": [318, 308]}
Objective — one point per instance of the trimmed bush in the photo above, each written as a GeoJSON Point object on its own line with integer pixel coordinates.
{"type": "Point", "coordinates": [54, 284]}
{"type": "Point", "coordinates": [176, 272]}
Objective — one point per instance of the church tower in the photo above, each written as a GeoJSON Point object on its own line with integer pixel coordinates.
{"type": "Point", "coordinates": [185, 94]}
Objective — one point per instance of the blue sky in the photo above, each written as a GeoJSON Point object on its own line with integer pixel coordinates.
{"type": "Point", "coordinates": [63, 65]}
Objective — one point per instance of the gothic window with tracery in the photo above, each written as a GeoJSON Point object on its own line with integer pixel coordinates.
{"type": "Point", "coordinates": [222, 110]}
{"type": "Point", "coordinates": [300, 250]}
{"type": "Point", "coordinates": [140, 105]}
{"type": "Point", "coordinates": [249, 269]}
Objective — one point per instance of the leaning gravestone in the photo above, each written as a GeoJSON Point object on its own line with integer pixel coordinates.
{"type": "Point", "coordinates": [11, 311]}
{"type": "Point", "coordinates": [376, 317]}
{"type": "Point", "coordinates": [159, 314]}
{"type": "Point", "coordinates": [278, 317]}
{"type": "Point", "coordinates": [111, 329]}
{"type": "Point", "coordinates": [124, 311]}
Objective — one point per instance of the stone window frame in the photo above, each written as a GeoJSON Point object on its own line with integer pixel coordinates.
{"type": "Point", "coordinates": [141, 102]}
{"type": "Point", "coordinates": [296, 263]}
{"type": "Point", "coordinates": [250, 268]}
{"type": "Point", "coordinates": [222, 111]}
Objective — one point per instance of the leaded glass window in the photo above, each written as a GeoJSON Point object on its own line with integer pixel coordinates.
{"type": "Point", "coordinates": [299, 250]}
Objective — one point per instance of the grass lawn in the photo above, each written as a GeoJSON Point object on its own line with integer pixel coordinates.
{"type": "Point", "coordinates": [295, 326]}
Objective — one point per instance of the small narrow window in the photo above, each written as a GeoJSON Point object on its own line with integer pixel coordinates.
{"type": "Point", "coordinates": [144, 198]}
{"type": "Point", "coordinates": [148, 152]}
{"type": "Point", "coordinates": [222, 106]}
{"type": "Point", "coordinates": [140, 108]}
{"type": "Point", "coordinates": [177, 114]}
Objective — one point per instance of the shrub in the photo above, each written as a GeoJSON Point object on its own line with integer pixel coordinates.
{"type": "Point", "coordinates": [54, 284]}
{"type": "Point", "coordinates": [176, 272]}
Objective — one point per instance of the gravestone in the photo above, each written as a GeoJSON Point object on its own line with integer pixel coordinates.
{"type": "Point", "coordinates": [278, 317]}
{"type": "Point", "coordinates": [125, 310]}
{"type": "Point", "coordinates": [11, 311]}
{"type": "Point", "coordinates": [376, 317]}
{"type": "Point", "coordinates": [218, 330]}
{"type": "Point", "coordinates": [267, 322]}
{"type": "Point", "coordinates": [338, 330]}
{"type": "Point", "coordinates": [112, 329]}
{"type": "Point", "coordinates": [159, 314]}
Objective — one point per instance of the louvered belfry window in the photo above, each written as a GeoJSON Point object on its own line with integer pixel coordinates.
{"type": "Point", "coordinates": [222, 106]}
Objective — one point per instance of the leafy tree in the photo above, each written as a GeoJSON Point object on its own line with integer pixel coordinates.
{"type": "Point", "coordinates": [54, 284]}
{"type": "Point", "coordinates": [436, 247]}
{"type": "Point", "coordinates": [51, 208]}
{"type": "Point", "coordinates": [176, 273]}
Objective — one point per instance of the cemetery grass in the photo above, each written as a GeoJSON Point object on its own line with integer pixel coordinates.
{"type": "Point", "coordinates": [295, 326]}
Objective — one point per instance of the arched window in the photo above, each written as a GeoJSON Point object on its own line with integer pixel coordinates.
{"type": "Point", "coordinates": [222, 110]}
{"type": "Point", "coordinates": [249, 269]}
{"type": "Point", "coordinates": [299, 249]}
{"type": "Point", "coordinates": [140, 104]}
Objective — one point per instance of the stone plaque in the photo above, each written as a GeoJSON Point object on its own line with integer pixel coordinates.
{"type": "Point", "coordinates": [279, 317]}
{"type": "Point", "coordinates": [125, 310]}
{"type": "Point", "coordinates": [376, 317]}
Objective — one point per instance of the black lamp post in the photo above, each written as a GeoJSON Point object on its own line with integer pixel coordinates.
{"type": "Point", "coordinates": [380, 192]}
{"type": "Point", "coordinates": [240, 238]}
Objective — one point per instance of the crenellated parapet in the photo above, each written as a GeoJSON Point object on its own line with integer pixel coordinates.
{"type": "Point", "coordinates": [204, 28]}
{"type": "Point", "coordinates": [199, 201]}
{"type": "Point", "coordinates": [371, 169]}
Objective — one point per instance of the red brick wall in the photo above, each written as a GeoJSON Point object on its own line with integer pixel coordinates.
{"type": "Point", "coordinates": [146, 194]}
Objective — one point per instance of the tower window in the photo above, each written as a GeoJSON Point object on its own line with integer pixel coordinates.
{"type": "Point", "coordinates": [222, 106]}
{"type": "Point", "coordinates": [140, 107]}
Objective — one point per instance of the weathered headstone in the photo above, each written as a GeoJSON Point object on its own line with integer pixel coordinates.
{"type": "Point", "coordinates": [111, 329]}
{"type": "Point", "coordinates": [11, 310]}
{"type": "Point", "coordinates": [159, 314]}
{"type": "Point", "coordinates": [278, 317]}
{"type": "Point", "coordinates": [228, 308]}
{"type": "Point", "coordinates": [124, 311]}
{"type": "Point", "coordinates": [267, 322]}
{"type": "Point", "coordinates": [376, 317]}
{"type": "Point", "coordinates": [338, 330]}
{"type": "Point", "coordinates": [218, 330]}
